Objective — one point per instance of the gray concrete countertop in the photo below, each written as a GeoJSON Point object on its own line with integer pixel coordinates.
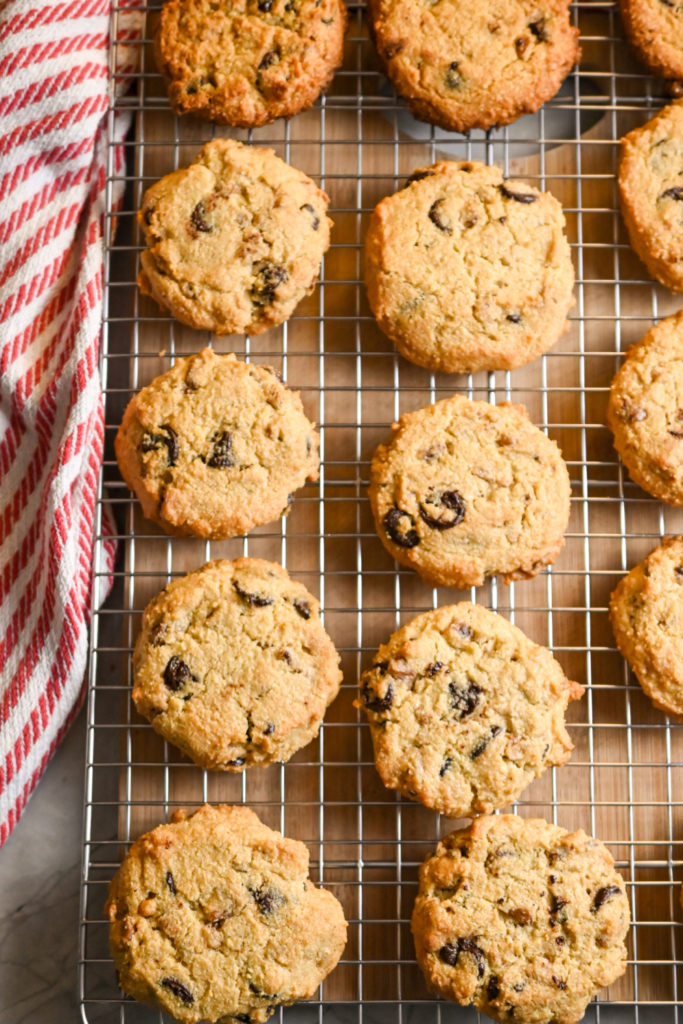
{"type": "Point", "coordinates": [39, 890]}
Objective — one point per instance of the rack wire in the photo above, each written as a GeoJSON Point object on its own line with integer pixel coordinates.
{"type": "Point", "coordinates": [366, 844]}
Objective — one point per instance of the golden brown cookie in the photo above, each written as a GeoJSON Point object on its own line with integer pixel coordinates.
{"type": "Point", "coordinates": [233, 665]}
{"type": "Point", "coordinates": [465, 64]}
{"type": "Point", "coordinates": [521, 919]}
{"type": "Point", "coordinates": [214, 446]}
{"type": "Point", "coordinates": [645, 410]}
{"type": "Point", "coordinates": [213, 918]}
{"type": "Point", "coordinates": [651, 193]}
{"type": "Point", "coordinates": [466, 490]}
{"type": "Point", "coordinates": [465, 711]}
{"type": "Point", "coordinates": [234, 240]}
{"type": "Point", "coordinates": [646, 612]}
{"type": "Point", "coordinates": [466, 271]}
{"type": "Point", "coordinates": [655, 31]}
{"type": "Point", "coordinates": [246, 62]}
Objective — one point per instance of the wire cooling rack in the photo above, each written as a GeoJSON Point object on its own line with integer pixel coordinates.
{"type": "Point", "coordinates": [366, 844]}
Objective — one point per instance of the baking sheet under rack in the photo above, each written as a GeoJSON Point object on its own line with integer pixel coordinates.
{"type": "Point", "coordinates": [625, 778]}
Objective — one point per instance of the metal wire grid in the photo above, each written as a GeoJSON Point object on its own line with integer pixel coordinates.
{"type": "Point", "coordinates": [365, 843]}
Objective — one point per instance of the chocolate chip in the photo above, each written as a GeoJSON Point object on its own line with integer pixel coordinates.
{"type": "Point", "coordinates": [268, 277]}
{"type": "Point", "coordinates": [254, 600]}
{"type": "Point", "coordinates": [399, 527]}
{"type": "Point", "coordinates": [453, 78]}
{"type": "Point", "coordinates": [673, 193]}
{"type": "Point", "coordinates": [177, 674]}
{"type": "Point", "coordinates": [191, 89]}
{"type": "Point", "coordinates": [157, 635]}
{"type": "Point", "coordinates": [629, 412]}
{"type": "Point", "coordinates": [178, 990]}
{"type": "Point", "coordinates": [560, 940]}
{"type": "Point", "coordinates": [152, 443]}
{"type": "Point", "coordinates": [271, 997]}
{"type": "Point", "coordinates": [514, 318]}
{"type": "Point", "coordinates": [603, 896]}
{"type": "Point", "coordinates": [521, 916]}
{"type": "Point", "coordinates": [679, 572]}
{"type": "Point", "coordinates": [442, 510]}
{"type": "Point", "coordinates": [436, 219]}
{"type": "Point", "coordinates": [558, 981]}
{"type": "Point", "coordinates": [268, 59]}
{"type": "Point", "coordinates": [521, 44]}
{"type": "Point", "coordinates": [303, 607]}
{"type": "Point", "coordinates": [316, 219]}
{"type": "Point", "coordinates": [147, 215]}
{"type": "Point", "coordinates": [221, 456]}
{"type": "Point", "coordinates": [539, 29]}
{"type": "Point", "coordinates": [236, 762]}
{"type": "Point", "coordinates": [445, 766]}
{"type": "Point", "coordinates": [378, 703]}
{"type": "Point", "coordinates": [197, 217]}
{"type": "Point", "coordinates": [269, 729]}
{"type": "Point", "coordinates": [558, 915]}
{"type": "Point", "coordinates": [483, 743]}
{"type": "Point", "coordinates": [418, 176]}
{"type": "Point", "coordinates": [171, 884]}
{"type": "Point", "coordinates": [492, 988]}
{"type": "Point", "coordinates": [265, 5]}
{"type": "Point", "coordinates": [463, 630]}
{"type": "Point", "coordinates": [519, 197]}
{"type": "Point", "coordinates": [391, 49]}
{"type": "Point", "coordinates": [450, 954]}
{"type": "Point", "coordinates": [463, 703]}
{"type": "Point", "coordinates": [435, 667]}
{"type": "Point", "coordinates": [519, 987]}
{"type": "Point", "coordinates": [268, 899]}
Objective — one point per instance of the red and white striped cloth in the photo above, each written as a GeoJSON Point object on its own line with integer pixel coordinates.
{"type": "Point", "coordinates": [54, 95]}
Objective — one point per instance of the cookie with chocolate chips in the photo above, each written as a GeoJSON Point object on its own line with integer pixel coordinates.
{"type": "Point", "coordinates": [465, 711]}
{"type": "Point", "coordinates": [466, 271]}
{"type": "Point", "coordinates": [521, 919]}
{"type": "Point", "coordinates": [645, 410]}
{"type": "Point", "coordinates": [467, 490]}
{"type": "Point", "coordinates": [655, 31]}
{"type": "Point", "coordinates": [646, 612]}
{"type": "Point", "coordinates": [213, 918]}
{"type": "Point", "coordinates": [233, 665]}
{"type": "Point", "coordinates": [234, 241]}
{"type": "Point", "coordinates": [474, 63]}
{"type": "Point", "coordinates": [651, 193]}
{"type": "Point", "coordinates": [215, 447]}
{"type": "Point", "coordinates": [246, 63]}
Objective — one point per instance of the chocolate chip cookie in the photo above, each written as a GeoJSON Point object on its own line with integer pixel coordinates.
{"type": "Point", "coordinates": [655, 31]}
{"type": "Point", "coordinates": [651, 193]}
{"type": "Point", "coordinates": [213, 918]}
{"type": "Point", "coordinates": [466, 490]}
{"type": "Point", "coordinates": [465, 711]}
{"type": "Point", "coordinates": [521, 919]}
{"type": "Point", "coordinates": [233, 665]}
{"type": "Point", "coordinates": [645, 410]}
{"type": "Point", "coordinates": [246, 62]}
{"type": "Point", "coordinates": [646, 612]}
{"type": "Point", "coordinates": [215, 447]}
{"type": "Point", "coordinates": [234, 240]}
{"type": "Point", "coordinates": [474, 63]}
{"type": "Point", "coordinates": [466, 271]}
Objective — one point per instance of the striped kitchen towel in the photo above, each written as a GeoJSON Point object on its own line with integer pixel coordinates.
{"type": "Point", "coordinates": [55, 94]}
